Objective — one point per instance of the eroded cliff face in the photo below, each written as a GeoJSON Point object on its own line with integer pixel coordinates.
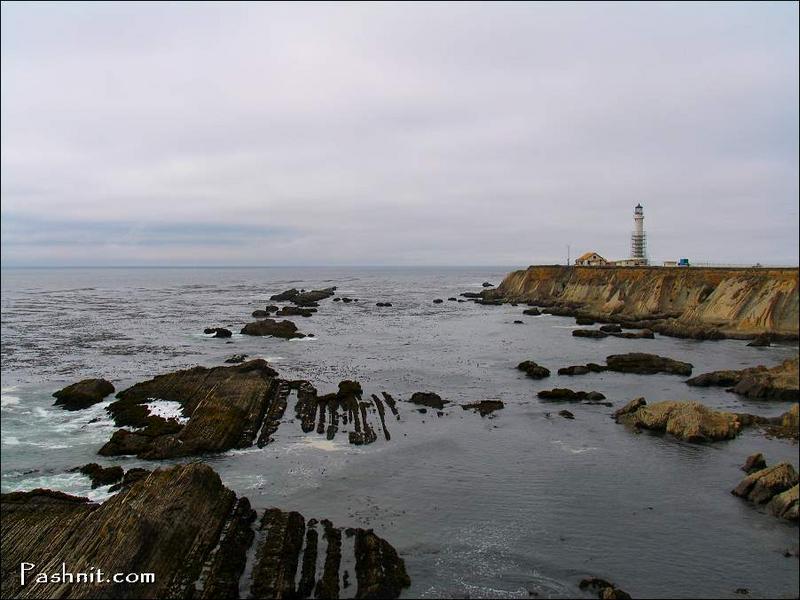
{"type": "Point", "coordinates": [734, 301]}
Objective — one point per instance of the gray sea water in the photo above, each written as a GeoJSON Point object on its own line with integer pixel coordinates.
{"type": "Point", "coordinates": [523, 504]}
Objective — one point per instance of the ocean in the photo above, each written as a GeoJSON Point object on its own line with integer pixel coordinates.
{"type": "Point", "coordinates": [523, 503]}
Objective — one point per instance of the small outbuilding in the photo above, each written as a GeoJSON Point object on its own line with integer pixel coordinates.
{"type": "Point", "coordinates": [590, 259]}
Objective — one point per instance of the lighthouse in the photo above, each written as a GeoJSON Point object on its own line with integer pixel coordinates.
{"type": "Point", "coordinates": [638, 237]}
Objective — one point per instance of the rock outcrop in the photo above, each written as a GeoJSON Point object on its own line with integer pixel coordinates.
{"type": "Point", "coordinates": [101, 475]}
{"type": "Point", "coordinates": [777, 383]}
{"type": "Point", "coordinates": [646, 364]}
{"type": "Point", "coordinates": [429, 399]}
{"type": "Point", "coordinates": [484, 407]}
{"type": "Point", "coordinates": [775, 487]}
{"type": "Point", "coordinates": [754, 462]}
{"type": "Point", "coordinates": [706, 303]}
{"type": "Point", "coordinates": [280, 329]}
{"type": "Point", "coordinates": [690, 421]}
{"type": "Point", "coordinates": [605, 590]}
{"type": "Point", "coordinates": [531, 369]}
{"type": "Point", "coordinates": [184, 526]}
{"type": "Point", "coordinates": [83, 394]}
{"type": "Point", "coordinates": [219, 332]}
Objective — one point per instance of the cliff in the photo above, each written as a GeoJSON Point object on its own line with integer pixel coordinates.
{"type": "Point", "coordinates": [733, 302]}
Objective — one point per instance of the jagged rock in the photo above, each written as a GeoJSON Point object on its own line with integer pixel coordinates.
{"type": "Point", "coordinates": [589, 333]}
{"type": "Point", "coordinates": [193, 533]}
{"type": "Point", "coordinates": [311, 298]}
{"type": "Point", "coordinates": [438, 301]}
{"type": "Point", "coordinates": [346, 300]}
{"type": "Point", "coordinates": [295, 311]}
{"type": "Point", "coordinates": [167, 524]}
{"type": "Point", "coordinates": [83, 394]}
{"type": "Point", "coordinates": [533, 312]}
{"type": "Point", "coordinates": [533, 370]}
{"type": "Point", "coordinates": [259, 314]}
{"type": "Point", "coordinates": [281, 329]}
{"type": "Point", "coordinates": [100, 475]}
{"type": "Point", "coordinates": [760, 487]}
{"type": "Point", "coordinates": [595, 368]}
{"type": "Point", "coordinates": [690, 421]}
{"type": "Point", "coordinates": [236, 359]}
{"type": "Point", "coordinates": [573, 370]}
{"type": "Point", "coordinates": [776, 383]}
{"type": "Point", "coordinates": [611, 328]}
{"type": "Point", "coordinates": [284, 296]}
{"type": "Point", "coordinates": [429, 399]}
{"type": "Point", "coordinates": [337, 299]}
{"type": "Point", "coordinates": [639, 362]}
{"type": "Point", "coordinates": [785, 504]}
{"type": "Point", "coordinates": [225, 406]}
{"type": "Point", "coordinates": [451, 299]}
{"type": "Point", "coordinates": [566, 414]}
{"type": "Point", "coordinates": [487, 284]}
{"type": "Point", "coordinates": [219, 332]}
{"type": "Point", "coordinates": [760, 341]}
{"type": "Point", "coordinates": [630, 407]}
{"type": "Point", "coordinates": [271, 308]}
{"type": "Point", "coordinates": [484, 407]}
{"type": "Point", "coordinates": [584, 321]}
{"type": "Point", "coordinates": [754, 462]}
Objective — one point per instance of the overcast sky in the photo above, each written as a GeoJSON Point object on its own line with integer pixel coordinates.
{"type": "Point", "coordinates": [398, 134]}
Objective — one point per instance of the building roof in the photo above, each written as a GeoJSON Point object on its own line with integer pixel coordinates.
{"type": "Point", "coordinates": [586, 255]}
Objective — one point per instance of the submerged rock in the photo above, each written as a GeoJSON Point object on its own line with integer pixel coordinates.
{"type": "Point", "coordinates": [573, 370]}
{"type": "Point", "coordinates": [611, 328]}
{"type": "Point", "coordinates": [533, 312]}
{"type": "Point", "coordinates": [518, 322]}
{"type": "Point", "coordinates": [533, 370]}
{"type": "Point", "coordinates": [484, 407]}
{"type": "Point", "coordinates": [259, 314]}
{"type": "Point", "coordinates": [295, 311]}
{"type": "Point", "coordinates": [284, 296]}
{"type": "Point", "coordinates": [83, 394]}
{"type": "Point", "coordinates": [310, 298]}
{"type": "Point", "coordinates": [565, 394]}
{"type": "Point", "coordinates": [487, 284]}
{"type": "Point", "coordinates": [429, 399]}
{"type": "Point", "coordinates": [184, 526]}
{"type": "Point", "coordinates": [690, 421]}
{"type": "Point", "coordinates": [644, 334]}
{"type": "Point", "coordinates": [630, 407]}
{"type": "Point", "coordinates": [584, 321]}
{"type": "Point", "coordinates": [760, 341]}
{"type": "Point", "coordinates": [589, 333]}
{"type": "Point", "coordinates": [438, 301]}
{"type": "Point", "coordinates": [647, 364]}
{"type": "Point", "coordinates": [566, 414]}
{"type": "Point", "coordinates": [219, 332]}
{"type": "Point", "coordinates": [280, 329]}
{"type": "Point", "coordinates": [785, 505]}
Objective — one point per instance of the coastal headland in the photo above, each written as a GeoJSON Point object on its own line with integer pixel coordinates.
{"type": "Point", "coordinates": [694, 302]}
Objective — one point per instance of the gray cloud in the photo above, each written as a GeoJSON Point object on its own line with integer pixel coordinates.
{"type": "Point", "coordinates": [398, 133]}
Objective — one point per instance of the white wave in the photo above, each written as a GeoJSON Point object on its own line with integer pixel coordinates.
{"type": "Point", "coordinates": [168, 409]}
{"type": "Point", "coordinates": [7, 400]}
{"type": "Point", "coordinates": [572, 450]}
{"type": "Point", "coordinates": [304, 339]}
{"type": "Point", "coordinates": [10, 440]}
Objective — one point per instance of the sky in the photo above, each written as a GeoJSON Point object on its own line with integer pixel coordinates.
{"type": "Point", "coordinates": [397, 134]}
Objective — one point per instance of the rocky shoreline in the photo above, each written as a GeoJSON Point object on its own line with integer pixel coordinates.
{"type": "Point", "coordinates": [183, 525]}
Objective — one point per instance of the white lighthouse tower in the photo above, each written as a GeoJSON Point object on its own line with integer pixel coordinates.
{"type": "Point", "coordinates": [638, 238]}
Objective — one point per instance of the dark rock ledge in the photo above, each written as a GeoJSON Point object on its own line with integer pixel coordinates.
{"type": "Point", "coordinates": [83, 394]}
{"type": "Point", "coordinates": [194, 534]}
{"type": "Point", "coordinates": [244, 405]}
